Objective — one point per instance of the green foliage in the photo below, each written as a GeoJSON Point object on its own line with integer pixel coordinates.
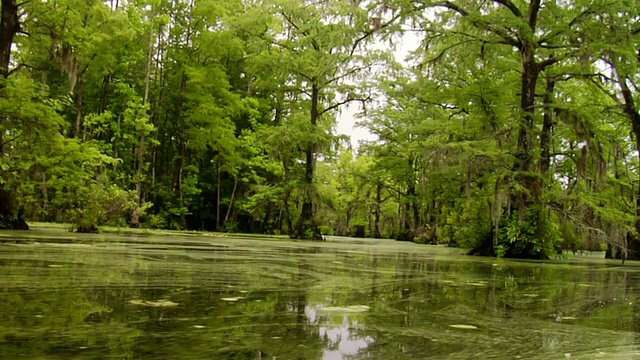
{"type": "Point", "coordinates": [472, 227]}
{"type": "Point", "coordinates": [535, 236]}
{"type": "Point", "coordinates": [220, 116]}
{"type": "Point", "coordinates": [101, 204]}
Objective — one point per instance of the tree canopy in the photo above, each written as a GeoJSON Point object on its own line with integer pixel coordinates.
{"type": "Point", "coordinates": [513, 129]}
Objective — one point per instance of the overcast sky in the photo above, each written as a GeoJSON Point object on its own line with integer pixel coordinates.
{"type": "Point", "coordinates": [346, 117]}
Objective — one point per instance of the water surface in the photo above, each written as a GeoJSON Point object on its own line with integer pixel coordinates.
{"type": "Point", "coordinates": [69, 296]}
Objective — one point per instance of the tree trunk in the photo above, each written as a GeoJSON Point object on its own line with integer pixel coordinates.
{"type": "Point", "coordinates": [218, 187]}
{"type": "Point", "coordinates": [307, 228]}
{"type": "Point", "coordinates": [104, 99]}
{"type": "Point", "coordinates": [527, 105]}
{"type": "Point", "coordinates": [9, 26]}
{"type": "Point", "coordinates": [547, 127]}
{"type": "Point", "coordinates": [135, 216]}
{"type": "Point", "coordinates": [376, 226]}
{"type": "Point", "coordinates": [233, 195]}
{"type": "Point", "coordinates": [79, 110]}
{"type": "Point", "coordinates": [417, 223]}
{"type": "Point", "coordinates": [529, 199]}
{"type": "Point", "coordinates": [405, 233]}
{"type": "Point", "coordinates": [631, 249]}
{"type": "Point", "coordinates": [287, 195]}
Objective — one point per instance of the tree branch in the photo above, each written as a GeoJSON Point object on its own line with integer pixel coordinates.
{"type": "Point", "coordinates": [563, 30]}
{"type": "Point", "coordinates": [286, 17]}
{"type": "Point", "coordinates": [511, 6]}
{"type": "Point", "coordinates": [444, 51]}
{"type": "Point", "coordinates": [19, 67]}
{"type": "Point", "coordinates": [534, 9]}
{"type": "Point", "coordinates": [350, 72]}
{"type": "Point", "coordinates": [443, 106]}
{"type": "Point", "coordinates": [8, 141]}
{"type": "Point", "coordinates": [343, 102]}
{"type": "Point", "coordinates": [371, 32]}
{"type": "Point", "coordinates": [546, 63]}
{"type": "Point", "coordinates": [509, 40]}
{"type": "Point", "coordinates": [451, 6]}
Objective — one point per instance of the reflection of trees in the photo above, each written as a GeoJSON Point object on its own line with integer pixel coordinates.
{"type": "Point", "coordinates": [60, 310]}
{"type": "Point", "coordinates": [81, 309]}
{"type": "Point", "coordinates": [424, 296]}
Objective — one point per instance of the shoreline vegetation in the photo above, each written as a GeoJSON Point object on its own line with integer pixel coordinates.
{"type": "Point", "coordinates": [512, 128]}
{"type": "Point", "coordinates": [41, 228]}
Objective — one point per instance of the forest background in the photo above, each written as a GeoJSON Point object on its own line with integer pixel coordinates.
{"type": "Point", "coordinates": [513, 132]}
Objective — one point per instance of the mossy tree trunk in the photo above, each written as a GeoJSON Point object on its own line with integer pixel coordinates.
{"type": "Point", "coordinates": [10, 217]}
{"type": "Point", "coordinates": [307, 227]}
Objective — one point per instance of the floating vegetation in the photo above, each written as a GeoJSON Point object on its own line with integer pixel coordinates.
{"type": "Point", "coordinates": [345, 309]}
{"type": "Point", "coordinates": [215, 235]}
{"type": "Point", "coordinates": [232, 299]}
{"type": "Point", "coordinates": [466, 327]}
{"type": "Point", "coordinates": [157, 303]}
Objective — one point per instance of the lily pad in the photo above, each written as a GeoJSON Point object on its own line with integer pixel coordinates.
{"type": "Point", "coordinates": [467, 327]}
{"type": "Point", "coordinates": [232, 299]}
{"type": "Point", "coordinates": [345, 309]}
{"type": "Point", "coordinates": [157, 303]}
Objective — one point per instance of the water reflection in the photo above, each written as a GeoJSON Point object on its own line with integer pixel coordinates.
{"type": "Point", "coordinates": [156, 299]}
{"type": "Point", "coordinates": [340, 340]}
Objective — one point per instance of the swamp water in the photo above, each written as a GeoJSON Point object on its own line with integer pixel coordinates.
{"type": "Point", "coordinates": [70, 296]}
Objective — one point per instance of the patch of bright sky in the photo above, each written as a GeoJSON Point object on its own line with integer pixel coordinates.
{"type": "Point", "coordinates": [347, 116]}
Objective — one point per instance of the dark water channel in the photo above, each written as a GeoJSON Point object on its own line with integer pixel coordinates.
{"type": "Point", "coordinates": [67, 296]}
